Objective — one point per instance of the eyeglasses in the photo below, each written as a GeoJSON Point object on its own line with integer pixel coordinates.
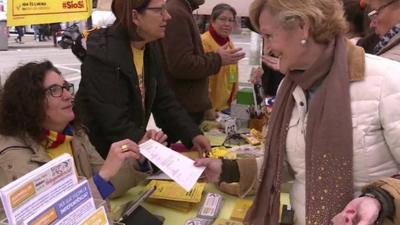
{"type": "Point", "coordinates": [226, 20]}
{"type": "Point", "coordinates": [56, 90]}
{"type": "Point", "coordinates": [162, 10]}
{"type": "Point", "coordinates": [374, 13]}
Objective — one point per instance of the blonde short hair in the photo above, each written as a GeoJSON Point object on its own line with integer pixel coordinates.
{"type": "Point", "coordinates": [326, 17]}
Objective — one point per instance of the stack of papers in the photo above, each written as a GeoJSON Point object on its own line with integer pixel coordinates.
{"type": "Point", "coordinates": [170, 194]}
{"type": "Point", "coordinates": [51, 194]}
{"type": "Point", "coordinates": [240, 210]}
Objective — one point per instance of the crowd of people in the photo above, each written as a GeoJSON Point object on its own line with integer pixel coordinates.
{"type": "Point", "coordinates": [41, 32]}
{"type": "Point", "coordinates": [335, 125]}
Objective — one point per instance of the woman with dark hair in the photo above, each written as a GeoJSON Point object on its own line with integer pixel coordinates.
{"type": "Point", "coordinates": [37, 124]}
{"type": "Point", "coordinates": [223, 86]}
{"type": "Point", "coordinates": [123, 83]}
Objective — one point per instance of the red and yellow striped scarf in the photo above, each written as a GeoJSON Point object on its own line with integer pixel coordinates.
{"type": "Point", "coordinates": [57, 144]}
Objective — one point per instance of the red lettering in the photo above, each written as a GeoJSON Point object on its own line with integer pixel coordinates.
{"type": "Point", "coordinates": [73, 5]}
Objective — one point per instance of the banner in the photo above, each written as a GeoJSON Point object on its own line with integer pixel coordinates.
{"type": "Point", "coordinates": [28, 12]}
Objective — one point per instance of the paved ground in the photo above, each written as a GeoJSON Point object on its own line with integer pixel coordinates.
{"type": "Point", "coordinates": [31, 50]}
{"type": "Point", "coordinates": [69, 65]}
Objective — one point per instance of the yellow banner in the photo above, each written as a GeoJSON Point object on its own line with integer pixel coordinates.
{"type": "Point", "coordinates": [28, 12]}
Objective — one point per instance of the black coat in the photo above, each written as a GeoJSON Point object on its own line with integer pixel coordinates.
{"type": "Point", "coordinates": [109, 102]}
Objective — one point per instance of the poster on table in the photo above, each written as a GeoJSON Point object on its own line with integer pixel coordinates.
{"type": "Point", "coordinates": [28, 12]}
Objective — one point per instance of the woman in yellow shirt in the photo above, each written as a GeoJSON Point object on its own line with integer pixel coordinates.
{"type": "Point", "coordinates": [223, 85]}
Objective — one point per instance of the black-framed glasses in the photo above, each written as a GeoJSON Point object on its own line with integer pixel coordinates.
{"type": "Point", "coordinates": [56, 90]}
{"type": "Point", "coordinates": [374, 13]}
{"type": "Point", "coordinates": [162, 10]}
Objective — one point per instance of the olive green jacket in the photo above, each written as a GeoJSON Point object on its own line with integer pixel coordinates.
{"type": "Point", "coordinates": [18, 158]}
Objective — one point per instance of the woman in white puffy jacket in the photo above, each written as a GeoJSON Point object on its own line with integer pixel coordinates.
{"type": "Point", "coordinates": [336, 122]}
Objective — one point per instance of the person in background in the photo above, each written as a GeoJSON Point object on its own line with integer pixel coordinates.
{"type": "Point", "coordinates": [267, 75]}
{"type": "Point", "coordinates": [186, 65]}
{"type": "Point", "coordinates": [20, 33]}
{"type": "Point", "coordinates": [355, 12]}
{"type": "Point", "coordinates": [385, 21]}
{"type": "Point", "coordinates": [54, 28]}
{"type": "Point", "coordinates": [223, 86]}
{"type": "Point", "coordinates": [36, 34]}
{"type": "Point", "coordinates": [335, 123]}
{"type": "Point", "coordinates": [37, 124]}
{"type": "Point", "coordinates": [123, 81]}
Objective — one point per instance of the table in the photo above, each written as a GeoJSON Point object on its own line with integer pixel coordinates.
{"type": "Point", "coordinates": [174, 217]}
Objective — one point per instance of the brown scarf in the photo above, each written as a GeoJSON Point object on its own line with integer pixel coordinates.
{"type": "Point", "coordinates": [329, 141]}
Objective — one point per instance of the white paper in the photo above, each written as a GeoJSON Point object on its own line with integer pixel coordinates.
{"type": "Point", "coordinates": [177, 166]}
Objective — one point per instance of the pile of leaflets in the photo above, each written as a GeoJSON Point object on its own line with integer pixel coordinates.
{"type": "Point", "coordinates": [51, 194]}
{"type": "Point", "coordinates": [171, 195]}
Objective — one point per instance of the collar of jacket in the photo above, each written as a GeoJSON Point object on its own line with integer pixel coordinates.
{"type": "Point", "coordinates": [356, 56]}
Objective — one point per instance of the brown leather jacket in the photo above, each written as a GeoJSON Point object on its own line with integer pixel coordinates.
{"type": "Point", "coordinates": [186, 65]}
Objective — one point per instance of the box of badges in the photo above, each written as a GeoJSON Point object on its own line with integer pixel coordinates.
{"type": "Point", "coordinates": [211, 206]}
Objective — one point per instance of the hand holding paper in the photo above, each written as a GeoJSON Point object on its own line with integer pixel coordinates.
{"type": "Point", "coordinates": [177, 166]}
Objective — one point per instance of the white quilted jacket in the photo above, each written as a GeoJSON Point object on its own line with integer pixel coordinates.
{"type": "Point", "coordinates": [375, 104]}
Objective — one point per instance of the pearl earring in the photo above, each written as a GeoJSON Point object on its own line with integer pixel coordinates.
{"type": "Point", "coordinates": [303, 42]}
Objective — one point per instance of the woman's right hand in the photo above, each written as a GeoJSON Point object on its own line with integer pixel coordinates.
{"type": "Point", "coordinates": [255, 76]}
{"type": "Point", "coordinates": [213, 168]}
{"type": "Point", "coordinates": [271, 61]}
{"type": "Point", "coordinates": [119, 152]}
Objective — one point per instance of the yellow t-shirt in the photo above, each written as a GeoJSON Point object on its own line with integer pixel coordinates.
{"type": "Point", "coordinates": [64, 147]}
{"type": "Point", "coordinates": [61, 149]}
{"type": "Point", "coordinates": [138, 60]}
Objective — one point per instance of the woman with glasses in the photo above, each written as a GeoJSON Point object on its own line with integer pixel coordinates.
{"type": "Point", "coordinates": [223, 86]}
{"type": "Point", "coordinates": [385, 20]}
{"type": "Point", "coordinates": [335, 123]}
{"type": "Point", "coordinates": [37, 124]}
{"type": "Point", "coordinates": [123, 83]}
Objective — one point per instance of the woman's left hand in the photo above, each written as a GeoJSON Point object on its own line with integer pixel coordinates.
{"type": "Point", "coordinates": [158, 136]}
{"type": "Point", "coordinates": [360, 211]}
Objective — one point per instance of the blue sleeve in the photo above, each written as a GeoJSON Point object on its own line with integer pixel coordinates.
{"type": "Point", "coordinates": [106, 188]}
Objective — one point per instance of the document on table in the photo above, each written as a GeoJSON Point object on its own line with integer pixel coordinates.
{"type": "Point", "coordinates": [177, 166]}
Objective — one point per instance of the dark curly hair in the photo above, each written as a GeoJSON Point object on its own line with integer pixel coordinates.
{"type": "Point", "coordinates": [22, 101]}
